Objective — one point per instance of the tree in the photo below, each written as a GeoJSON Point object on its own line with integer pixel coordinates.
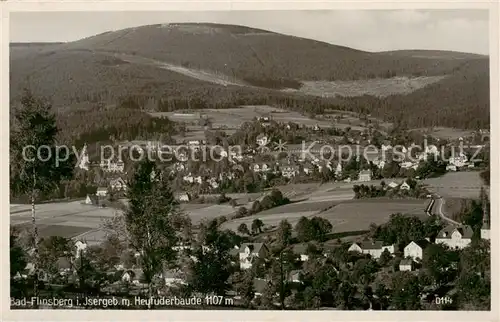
{"type": "Point", "coordinates": [152, 208]}
{"type": "Point", "coordinates": [18, 258]}
{"type": "Point", "coordinates": [243, 229]}
{"type": "Point", "coordinates": [385, 258]}
{"type": "Point", "coordinates": [256, 207]}
{"type": "Point", "coordinates": [34, 130]}
{"type": "Point", "coordinates": [303, 229]}
{"type": "Point", "coordinates": [210, 271]}
{"type": "Point", "coordinates": [257, 225]}
{"type": "Point", "coordinates": [441, 263]}
{"type": "Point", "coordinates": [284, 234]}
{"type": "Point", "coordinates": [406, 291]}
{"type": "Point", "coordinates": [485, 176]}
{"type": "Point", "coordinates": [245, 287]}
{"type": "Point", "coordinates": [233, 203]}
{"type": "Point", "coordinates": [242, 212]}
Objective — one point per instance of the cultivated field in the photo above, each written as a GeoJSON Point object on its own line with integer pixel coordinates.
{"type": "Point", "coordinates": [465, 184]}
{"type": "Point", "coordinates": [297, 191]}
{"type": "Point", "coordinates": [208, 213]}
{"type": "Point", "coordinates": [68, 219]}
{"type": "Point", "coordinates": [359, 214]}
{"type": "Point", "coordinates": [446, 133]}
{"type": "Point", "coordinates": [232, 118]}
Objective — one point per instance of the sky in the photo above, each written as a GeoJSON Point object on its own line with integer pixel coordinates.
{"type": "Point", "coordinates": [462, 30]}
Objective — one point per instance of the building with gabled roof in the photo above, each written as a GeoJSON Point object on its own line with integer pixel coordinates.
{"type": "Point", "coordinates": [415, 249]}
{"type": "Point", "coordinates": [249, 252]}
{"type": "Point", "coordinates": [455, 237]}
{"type": "Point", "coordinates": [373, 248]}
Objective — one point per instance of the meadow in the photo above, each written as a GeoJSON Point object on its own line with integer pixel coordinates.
{"type": "Point", "coordinates": [66, 219]}
{"type": "Point", "coordinates": [359, 214]}
{"type": "Point", "coordinates": [466, 184]}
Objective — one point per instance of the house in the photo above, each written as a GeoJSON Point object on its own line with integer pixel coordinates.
{"type": "Point", "coordinates": [295, 276]}
{"type": "Point", "coordinates": [251, 251]}
{"type": "Point", "coordinates": [261, 167]}
{"type": "Point", "coordinates": [188, 178]}
{"type": "Point", "coordinates": [373, 248]}
{"type": "Point", "coordinates": [406, 264]}
{"type": "Point", "coordinates": [451, 167]}
{"type": "Point", "coordinates": [262, 140]}
{"type": "Point", "coordinates": [404, 186]}
{"type": "Point", "coordinates": [379, 163]}
{"type": "Point", "coordinates": [415, 249]}
{"type": "Point", "coordinates": [63, 265]}
{"type": "Point", "coordinates": [173, 277]}
{"type": "Point", "coordinates": [431, 149]}
{"type": "Point", "coordinates": [290, 171]}
{"type": "Point", "coordinates": [307, 169]}
{"type": "Point", "coordinates": [455, 237]}
{"type": "Point", "coordinates": [301, 250]}
{"type": "Point", "coordinates": [338, 169]}
{"type": "Point", "coordinates": [118, 184]}
{"type": "Point", "coordinates": [102, 192]}
{"type": "Point", "coordinates": [92, 200]}
{"type": "Point", "coordinates": [110, 166]}
{"type": "Point", "coordinates": [183, 197]}
{"type": "Point", "coordinates": [133, 276]}
{"type": "Point", "coordinates": [392, 185]}
{"type": "Point", "coordinates": [80, 247]}
{"type": "Point", "coordinates": [84, 161]}
{"type": "Point", "coordinates": [365, 175]}
{"type": "Point", "coordinates": [406, 165]}
{"type": "Point", "coordinates": [386, 147]}
{"type": "Point", "coordinates": [459, 161]}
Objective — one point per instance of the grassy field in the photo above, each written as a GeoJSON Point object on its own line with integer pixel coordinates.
{"type": "Point", "coordinates": [359, 214]}
{"type": "Point", "coordinates": [232, 118]}
{"type": "Point", "coordinates": [69, 219]}
{"type": "Point", "coordinates": [456, 184]}
{"type": "Point", "coordinates": [210, 212]}
{"type": "Point", "coordinates": [446, 133]}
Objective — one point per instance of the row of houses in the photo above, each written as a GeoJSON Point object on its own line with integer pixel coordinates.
{"type": "Point", "coordinates": [451, 236]}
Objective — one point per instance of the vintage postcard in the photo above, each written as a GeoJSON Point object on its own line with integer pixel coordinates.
{"type": "Point", "coordinates": [207, 161]}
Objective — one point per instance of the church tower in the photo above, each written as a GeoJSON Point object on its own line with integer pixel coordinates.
{"type": "Point", "coordinates": [485, 228]}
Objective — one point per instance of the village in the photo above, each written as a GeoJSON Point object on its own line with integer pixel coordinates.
{"type": "Point", "coordinates": [265, 172]}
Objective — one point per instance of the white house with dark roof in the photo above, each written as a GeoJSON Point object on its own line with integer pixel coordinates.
{"type": "Point", "coordinates": [455, 237]}
{"type": "Point", "coordinates": [102, 192]}
{"type": "Point", "coordinates": [392, 185]}
{"type": "Point", "coordinates": [91, 200]}
{"type": "Point", "coordinates": [249, 252]}
{"type": "Point", "coordinates": [118, 184]}
{"type": "Point", "coordinates": [404, 186]}
{"type": "Point", "coordinates": [365, 175]}
{"type": "Point", "coordinates": [415, 249]}
{"type": "Point", "coordinates": [373, 248]}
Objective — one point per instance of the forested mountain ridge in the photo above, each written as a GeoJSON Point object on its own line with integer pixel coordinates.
{"type": "Point", "coordinates": [88, 72]}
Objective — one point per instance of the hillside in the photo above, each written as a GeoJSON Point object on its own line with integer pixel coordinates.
{"type": "Point", "coordinates": [219, 66]}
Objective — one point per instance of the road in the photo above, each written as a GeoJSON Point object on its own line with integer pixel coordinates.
{"type": "Point", "coordinates": [439, 206]}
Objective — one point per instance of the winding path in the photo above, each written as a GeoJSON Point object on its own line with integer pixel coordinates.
{"type": "Point", "coordinates": [440, 202]}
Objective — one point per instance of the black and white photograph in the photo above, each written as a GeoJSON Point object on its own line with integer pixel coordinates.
{"type": "Point", "coordinates": [290, 160]}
